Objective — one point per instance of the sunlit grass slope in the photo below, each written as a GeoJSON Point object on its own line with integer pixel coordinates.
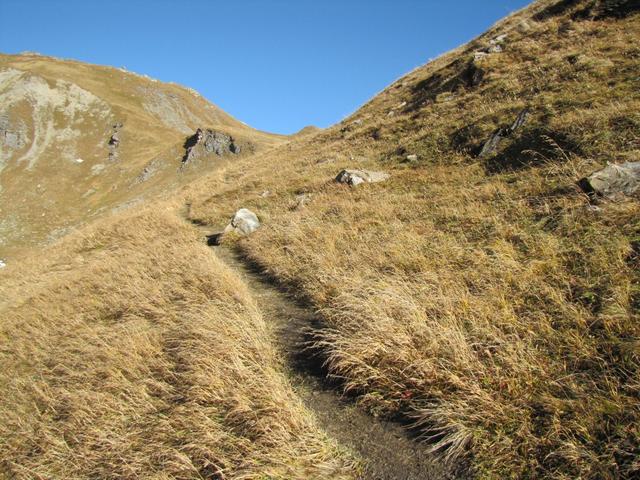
{"type": "Point", "coordinates": [488, 300]}
{"type": "Point", "coordinates": [129, 351]}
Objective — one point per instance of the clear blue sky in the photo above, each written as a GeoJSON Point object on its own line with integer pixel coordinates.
{"type": "Point", "coordinates": [277, 65]}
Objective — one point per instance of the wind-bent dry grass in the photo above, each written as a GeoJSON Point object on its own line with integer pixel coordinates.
{"type": "Point", "coordinates": [486, 299]}
{"type": "Point", "coordinates": [139, 355]}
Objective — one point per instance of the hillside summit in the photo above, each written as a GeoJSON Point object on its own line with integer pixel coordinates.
{"type": "Point", "coordinates": [460, 256]}
{"type": "Point", "coordinates": [78, 140]}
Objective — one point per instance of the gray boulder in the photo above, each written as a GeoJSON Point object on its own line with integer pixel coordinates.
{"type": "Point", "coordinates": [208, 142]}
{"type": "Point", "coordinates": [356, 177]}
{"type": "Point", "coordinates": [2, 264]}
{"type": "Point", "coordinates": [499, 39]}
{"type": "Point", "coordinates": [244, 222]}
{"type": "Point", "coordinates": [613, 180]}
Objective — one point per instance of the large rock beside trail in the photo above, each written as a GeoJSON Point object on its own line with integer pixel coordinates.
{"type": "Point", "coordinates": [613, 180]}
{"type": "Point", "coordinates": [244, 222]}
{"type": "Point", "coordinates": [356, 177]}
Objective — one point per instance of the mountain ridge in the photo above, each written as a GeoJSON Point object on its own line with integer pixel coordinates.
{"type": "Point", "coordinates": [68, 125]}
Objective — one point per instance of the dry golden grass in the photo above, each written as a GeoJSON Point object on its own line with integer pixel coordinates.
{"type": "Point", "coordinates": [130, 351]}
{"type": "Point", "coordinates": [486, 299]}
{"type": "Point", "coordinates": [56, 194]}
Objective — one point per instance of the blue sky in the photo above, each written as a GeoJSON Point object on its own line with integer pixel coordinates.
{"type": "Point", "coordinates": [277, 65]}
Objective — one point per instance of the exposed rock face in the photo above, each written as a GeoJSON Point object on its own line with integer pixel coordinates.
{"type": "Point", "coordinates": [501, 133]}
{"type": "Point", "coordinates": [40, 101]}
{"type": "Point", "coordinates": [356, 177]}
{"type": "Point", "coordinates": [207, 142]}
{"type": "Point", "coordinates": [613, 180]}
{"type": "Point", "coordinates": [114, 142]}
{"type": "Point", "coordinates": [496, 45]}
{"type": "Point", "coordinates": [148, 171]}
{"type": "Point", "coordinates": [12, 136]}
{"type": "Point", "coordinates": [168, 108]}
{"type": "Point", "coordinates": [244, 222]}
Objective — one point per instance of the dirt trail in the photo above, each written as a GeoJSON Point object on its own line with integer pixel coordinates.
{"type": "Point", "coordinates": [387, 450]}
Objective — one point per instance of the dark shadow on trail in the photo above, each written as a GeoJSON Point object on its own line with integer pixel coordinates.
{"type": "Point", "coordinates": [214, 239]}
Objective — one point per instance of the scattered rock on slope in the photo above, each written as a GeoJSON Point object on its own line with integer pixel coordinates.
{"type": "Point", "coordinates": [496, 45]}
{"type": "Point", "coordinates": [613, 180]}
{"type": "Point", "coordinates": [301, 201]}
{"type": "Point", "coordinates": [501, 133]}
{"type": "Point", "coordinates": [207, 142]}
{"type": "Point", "coordinates": [243, 222]}
{"type": "Point", "coordinates": [356, 177]}
{"type": "Point", "coordinates": [149, 170]}
{"type": "Point", "coordinates": [114, 142]}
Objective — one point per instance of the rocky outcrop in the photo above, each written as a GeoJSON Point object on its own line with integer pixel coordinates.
{"type": "Point", "coordinates": [13, 137]}
{"type": "Point", "coordinates": [168, 108]}
{"type": "Point", "coordinates": [148, 171]}
{"type": "Point", "coordinates": [114, 142]}
{"type": "Point", "coordinates": [613, 180]}
{"type": "Point", "coordinates": [356, 177]}
{"type": "Point", "coordinates": [208, 142]}
{"type": "Point", "coordinates": [491, 145]}
{"type": "Point", "coordinates": [496, 45]}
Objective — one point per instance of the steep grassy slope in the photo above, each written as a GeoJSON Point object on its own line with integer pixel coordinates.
{"type": "Point", "coordinates": [487, 299]}
{"type": "Point", "coordinates": [60, 162]}
{"type": "Point", "coordinates": [130, 351]}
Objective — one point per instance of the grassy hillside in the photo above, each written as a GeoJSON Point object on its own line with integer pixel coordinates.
{"type": "Point", "coordinates": [58, 163]}
{"type": "Point", "coordinates": [486, 299]}
{"type": "Point", "coordinates": [130, 351]}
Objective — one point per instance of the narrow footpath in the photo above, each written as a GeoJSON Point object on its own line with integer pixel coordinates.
{"type": "Point", "coordinates": [386, 449]}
